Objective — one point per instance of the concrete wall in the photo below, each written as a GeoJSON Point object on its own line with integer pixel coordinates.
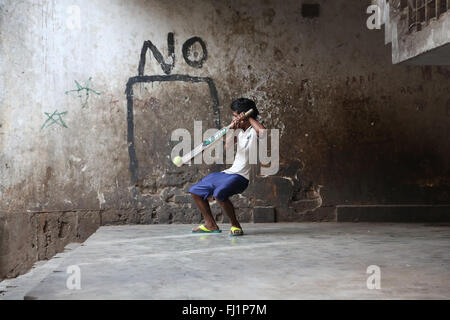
{"type": "Point", "coordinates": [429, 46]}
{"type": "Point", "coordinates": [369, 132]}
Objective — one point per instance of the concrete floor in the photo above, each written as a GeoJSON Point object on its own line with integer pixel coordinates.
{"type": "Point", "coordinates": [272, 261]}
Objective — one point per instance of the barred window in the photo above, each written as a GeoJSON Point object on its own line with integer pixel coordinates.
{"type": "Point", "coordinates": [421, 12]}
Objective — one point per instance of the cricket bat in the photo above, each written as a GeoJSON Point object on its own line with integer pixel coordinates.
{"type": "Point", "coordinates": [206, 144]}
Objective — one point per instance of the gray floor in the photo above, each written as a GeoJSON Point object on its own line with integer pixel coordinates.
{"type": "Point", "coordinates": [272, 261]}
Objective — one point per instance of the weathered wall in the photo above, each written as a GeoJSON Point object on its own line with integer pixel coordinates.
{"type": "Point", "coordinates": [28, 237]}
{"type": "Point", "coordinates": [369, 132]}
{"type": "Point", "coordinates": [429, 46]}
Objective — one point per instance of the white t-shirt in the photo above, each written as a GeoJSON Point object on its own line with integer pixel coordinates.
{"type": "Point", "coordinates": [247, 140]}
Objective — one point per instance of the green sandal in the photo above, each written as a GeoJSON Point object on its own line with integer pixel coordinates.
{"type": "Point", "coordinates": [233, 232]}
{"type": "Point", "coordinates": [203, 229]}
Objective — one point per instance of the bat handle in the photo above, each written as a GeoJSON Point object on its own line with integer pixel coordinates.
{"type": "Point", "coordinates": [249, 112]}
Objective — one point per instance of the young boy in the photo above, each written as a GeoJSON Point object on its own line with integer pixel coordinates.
{"type": "Point", "coordinates": [234, 180]}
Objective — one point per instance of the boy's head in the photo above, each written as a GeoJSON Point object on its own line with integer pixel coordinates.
{"type": "Point", "coordinates": [243, 105]}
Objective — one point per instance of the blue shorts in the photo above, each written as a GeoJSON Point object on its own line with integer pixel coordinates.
{"type": "Point", "coordinates": [220, 185]}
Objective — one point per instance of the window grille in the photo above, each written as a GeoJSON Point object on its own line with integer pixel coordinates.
{"type": "Point", "coordinates": [421, 12]}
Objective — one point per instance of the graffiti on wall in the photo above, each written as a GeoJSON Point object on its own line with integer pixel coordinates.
{"type": "Point", "coordinates": [54, 118]}
{"type": "Point", "coordinates": [167, 66]}
{"type": "Point", "coordinates": [83, 92]}
{"type": "Point", "coordinates": [112, 101]}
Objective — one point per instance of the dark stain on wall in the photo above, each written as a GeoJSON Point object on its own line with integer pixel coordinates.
{"type": "Point", "coordinates": [310, 10]}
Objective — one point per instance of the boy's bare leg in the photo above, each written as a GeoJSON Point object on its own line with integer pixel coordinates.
{"type": "Point", "coordinates": [228, 207]}
{"type": "Point", "coordinates": [205, 209]}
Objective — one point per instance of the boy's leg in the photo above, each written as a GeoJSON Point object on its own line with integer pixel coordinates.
{"type": "Point", "coordinates": [228, 207]}
{"type": "Point", "coordinates": [233, 184]}
{"type": "Point", "coordinates": [205, 209]}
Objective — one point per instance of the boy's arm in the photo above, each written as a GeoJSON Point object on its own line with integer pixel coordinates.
{"type": "Point", "coordinates": [259, 128]}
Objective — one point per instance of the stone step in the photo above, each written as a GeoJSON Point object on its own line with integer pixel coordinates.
{"type": "Point", "coordinates": [393, 213]}
{"type": "Point", "coordinates": [16, 288]}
